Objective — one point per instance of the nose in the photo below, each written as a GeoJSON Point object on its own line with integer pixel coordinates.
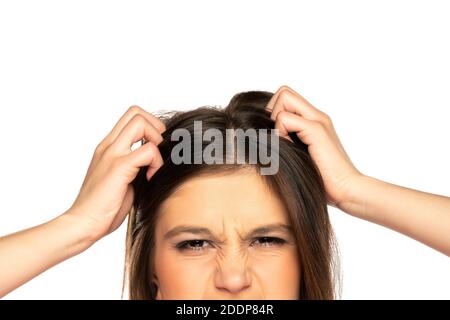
{"type": "Point", "coordinates": [232, 274]}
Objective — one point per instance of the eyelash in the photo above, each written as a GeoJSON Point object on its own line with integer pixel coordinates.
{"type": "Point", "coordinates": [275, 241]}
{"type": "Point", "coordinates": [184, 245]}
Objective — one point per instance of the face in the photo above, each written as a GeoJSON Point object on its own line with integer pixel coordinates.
{"type": "Point", "coordinates": [225, 237]}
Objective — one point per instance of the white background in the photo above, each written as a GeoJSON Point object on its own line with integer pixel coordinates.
{"type": "Point", "coordinates": [380, 69]}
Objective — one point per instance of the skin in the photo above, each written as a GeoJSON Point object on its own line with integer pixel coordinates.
{"type": "Point", "coordinates": [235, 263]}
{"type": "Point", "coordinates": [106, 196]}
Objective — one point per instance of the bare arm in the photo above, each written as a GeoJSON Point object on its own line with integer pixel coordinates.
{"type": "Point", "coordinates": [104, 201]}
{"type": "Point", "coordinates": [30, 252]}
{"type": "Point", "coordinates": [419, 215]}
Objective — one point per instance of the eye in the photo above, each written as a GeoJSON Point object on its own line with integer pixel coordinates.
{"type": "Point", "coordinates": [268, 242]}
{"type": "Point", "coordinates": [193, 245]}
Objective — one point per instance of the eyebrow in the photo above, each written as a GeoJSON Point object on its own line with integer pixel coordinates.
{"type": "Point", "coordinates": [259, 231]}
{"type": "Point", "coordinates": [283, 228]}
{"type": "Point", "coordinates": [187, 229]}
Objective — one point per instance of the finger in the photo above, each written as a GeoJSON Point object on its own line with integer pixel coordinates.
{"type": "Point", "coordinates": [274, 98]}
{"type": "Point", "coordinates": [146, 155]}
{"type": "Point", "coordinates": [289, 122]}
{"type": "Point", "coordinates": [127, 116]}
{"type": "Point", "coordinates": [136, 129]}
{"type": "Point", "coordinates": [287, 99]}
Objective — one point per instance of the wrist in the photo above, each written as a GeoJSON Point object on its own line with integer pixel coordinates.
{"type": "Point", "coordinates": [354, 200]}
{"type": "Point", "coordinates": [78, 230]}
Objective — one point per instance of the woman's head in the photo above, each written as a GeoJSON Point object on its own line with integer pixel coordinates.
{"type": "Point", "coordinates": [224, 231]}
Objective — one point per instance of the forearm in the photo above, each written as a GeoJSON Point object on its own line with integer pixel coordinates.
{"type": "Point", "coordinates": [419, 215]}
{"type": "Point", "coordinates": [25, 254]}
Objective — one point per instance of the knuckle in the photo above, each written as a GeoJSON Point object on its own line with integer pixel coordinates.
{"type": "Point", "coordinates": [284, 88]}
{"type": "Point", "coordinates": [109, 153]}
{"type": "Point", "coordinates": [138, 120]}
{"type": "Point", "coordinates": [152, 149]}
{"type": "Point", "coordinates": [326, 118]}
{"type": "Point", "coordinates": [134, 109]}
{"type": "Point", "coordinates": [283, 115]}
{"type": "Point", "coordinates": [283, 92]}
{"type": "Point", "coordinates": [318, 126]}
{"type": "Point", "coordinates": [162, 125]}
{"type": "Point", "coordinates": [99, 149]}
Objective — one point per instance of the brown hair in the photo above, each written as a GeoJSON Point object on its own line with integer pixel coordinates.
{"type": "Point", "coordinates": [298, 184]}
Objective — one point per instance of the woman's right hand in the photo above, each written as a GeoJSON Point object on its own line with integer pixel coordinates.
{"type": "Point", "coordinates": [106, 195]}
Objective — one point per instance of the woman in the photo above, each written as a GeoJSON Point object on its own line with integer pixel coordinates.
{"type": "Point", "coordinates": [200, 231]}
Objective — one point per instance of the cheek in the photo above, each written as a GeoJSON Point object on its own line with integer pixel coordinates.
{"type": "Point", "coordinates": [276, 275]}
{"type": "Point", "coordinates": [279, 275]}
{"type": "Point", "coordinates": [180, 277]}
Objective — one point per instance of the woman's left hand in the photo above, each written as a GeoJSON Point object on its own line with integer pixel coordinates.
{"type": "Point", "coordinates": [293, 113]}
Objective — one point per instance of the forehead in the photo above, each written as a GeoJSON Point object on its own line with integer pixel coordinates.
{"type": "Point", "coordinates": [241, 197]}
